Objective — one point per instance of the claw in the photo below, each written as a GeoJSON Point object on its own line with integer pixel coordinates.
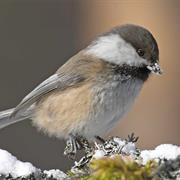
{"type": "Point", "coordinates": [132, 138]}
{"type": "Point", "coordinates": [75, 143]}
{"type": "Point", "coordinates": [72, 146]}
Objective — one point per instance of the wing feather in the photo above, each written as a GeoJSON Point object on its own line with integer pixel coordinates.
{"type": "Point", "coordinates": [75, 71]}
{"type": "Point", "coordinates": [54, 82]}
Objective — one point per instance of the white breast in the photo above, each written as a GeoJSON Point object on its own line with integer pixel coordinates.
{"type": "Point", "coordinates": [110, 104]}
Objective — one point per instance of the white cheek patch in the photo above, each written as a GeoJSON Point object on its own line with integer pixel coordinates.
{"type": "Point", "coordinates": [114, 49]}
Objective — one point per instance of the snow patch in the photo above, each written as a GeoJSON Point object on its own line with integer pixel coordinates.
{"type": "Point", "coordinates": [126, 147]}
{"type": "Point", "coordinates": [163, 151]}
{"type": "Point", "coordinates": [10, 165]}
{"type": "Point", "coordinates": [99, 154]}
{"type": "Point", "coordinates": [55, 173]}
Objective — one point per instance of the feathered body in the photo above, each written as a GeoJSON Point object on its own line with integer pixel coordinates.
{"type": "Point", "coordinates": [93, 105]}
{"type": "Point", "coordinates": [94, 88]}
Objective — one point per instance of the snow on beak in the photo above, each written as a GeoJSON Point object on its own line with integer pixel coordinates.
{"type": "Point", "coordinates": [155, 68]}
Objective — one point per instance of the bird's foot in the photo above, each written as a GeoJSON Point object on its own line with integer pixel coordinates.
{"type": "Point", "coordinates": [132, 138]}
{"type": "Point", "coordinates": [75, 143]}
{"type": "Point", "coordinates": [89, 151]}
{"type": "Point", "coordinates": [84, 144]}
{"type": "Point", "coordinates": [72, 145]}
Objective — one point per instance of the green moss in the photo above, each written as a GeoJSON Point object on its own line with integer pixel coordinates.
{"type": "Point", "coordinates": [118, 169]}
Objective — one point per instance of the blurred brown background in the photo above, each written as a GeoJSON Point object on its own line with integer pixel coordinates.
{"type": "Point", "coordinates": [38, 36]}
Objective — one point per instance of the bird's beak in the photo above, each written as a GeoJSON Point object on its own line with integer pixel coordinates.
{"type": "Point", "coordinates": [155, 68]}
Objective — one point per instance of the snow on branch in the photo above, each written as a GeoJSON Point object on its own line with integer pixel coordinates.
{"type": "Point", "coordinates": [12, 168]}
{"type": "Point", "coordinates": [113, 157]}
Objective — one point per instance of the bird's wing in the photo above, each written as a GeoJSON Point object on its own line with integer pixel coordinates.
{"type": "Point", "coordinates": [58, 81]}
{"type": "Point", "coordinates": [75, 71]}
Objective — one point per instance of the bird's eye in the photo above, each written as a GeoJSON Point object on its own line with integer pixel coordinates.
{"type": "Point", "coordinates": [140, 52]}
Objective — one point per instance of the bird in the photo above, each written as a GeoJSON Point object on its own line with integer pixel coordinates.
{"type": "Point", "coordinates": [93, 90]}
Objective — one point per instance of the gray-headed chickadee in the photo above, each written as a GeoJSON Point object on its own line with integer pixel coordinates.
{"type": "Point", "coordinates": [94, 89]}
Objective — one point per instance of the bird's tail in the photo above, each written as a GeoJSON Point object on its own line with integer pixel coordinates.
{"type": "Point", "coordinates": [6, 119]}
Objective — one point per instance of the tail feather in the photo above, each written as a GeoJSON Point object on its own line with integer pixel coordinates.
{"type": "Point", "coordinates": [6, 119]}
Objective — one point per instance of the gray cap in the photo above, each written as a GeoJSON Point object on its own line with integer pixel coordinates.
{"type": "Point", "coordinates": [140, 38]}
